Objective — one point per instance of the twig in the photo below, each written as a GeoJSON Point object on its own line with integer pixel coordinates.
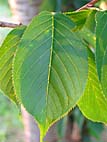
{"type": "Point", "coordinates": [9, 25]}
{"type": "Point", "coordinates": [88, 5]}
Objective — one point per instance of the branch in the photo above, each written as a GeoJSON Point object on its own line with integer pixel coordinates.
{"type": "Point", "coordinates": [9, 25]}
{"type": "Point", "coordinates": [12, 25]}
{"type": "Point", "coordinates": [88, 5]}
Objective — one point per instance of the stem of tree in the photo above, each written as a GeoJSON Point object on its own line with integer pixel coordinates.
{"type": "Point", "coordinates": [9, 25]}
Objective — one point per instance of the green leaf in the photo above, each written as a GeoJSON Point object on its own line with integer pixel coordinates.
{"type": "Point", "coordinates": [101, 39]}
{"type": "Point", "coordinates": [61, 128]}
{"type": "Point", "coordinates": [104, 74]}
{"type": "Point", "coordinates": [95, 129]}
{"type": "Point", "coordinates": [78, 17]}
{"type": "Point", "coordinates": [50, 68]}
{"type": "Point", "coordinates": [88, 30]}
{"type": "Point", "coordinates": [101, 48]}
{"type": "Point", "coordinates": [85, 25]}
{"type": "Point", "coordinates": [93, 103]}
{"type": "Point", "coordinates": [7, 51]}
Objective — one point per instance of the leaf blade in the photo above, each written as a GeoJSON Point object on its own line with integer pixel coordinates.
{"type": "Point", "coordinates": [101, 41]}
{"type": "Point", "coordinates": [7, 51]}
{"type": "Point", "coordinates": [42, 62]}
{"type": "Point", "coordinates": [101, 48]}
{"type": "Point", "coordinates": [93, 103]}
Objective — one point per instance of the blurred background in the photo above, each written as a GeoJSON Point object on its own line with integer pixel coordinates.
{"type": "Point", "coordinates": [74, 127]}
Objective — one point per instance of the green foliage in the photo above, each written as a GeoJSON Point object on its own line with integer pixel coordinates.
{"type": "Point", "coordinates": [48, 5]}
{"type": "Point", "coordinates": [10, 124]}
{"type": "Point", "coordinates": [7, 51]}
{"type": "Point", "coordinates": [79, 17]}
{"type": "Point", "coordinates": [4, 2]}
{"type": "Point", "coordinates": [51, 61]}
{"type": "Point", "coordinates": [93, 96]}
{"type": "Point", "coordinates": [87, 33]}
{"type": "Point", "coordinates": [101, 49]}
{"type": "Point", "coordinates": [95, 129]}
{"type": "Point", "coordinates": [58, 62]}
{"type": "Point", "coordinates": [51, 5]}
{"type": "Point", "coordinates": [62, 5]}
{"type": "Point", "coordinates": [61, 128]}
{"type": "Point", "coordinates": [87, 128]}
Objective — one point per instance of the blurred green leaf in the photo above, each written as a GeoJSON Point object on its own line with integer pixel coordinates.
{"type": "Point", "coordinates": [95, 129]}
{"type": "Point", "coordinates": [48, 5]}
{"type": "Point", "coordinates": [61, 128]}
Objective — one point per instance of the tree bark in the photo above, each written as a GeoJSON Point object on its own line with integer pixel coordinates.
{"type": "Point", "coordinates": [23, 11]}
{"type": "Point", "coordinates": [31, 129]}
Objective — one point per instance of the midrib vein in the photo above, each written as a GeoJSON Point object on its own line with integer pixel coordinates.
{"type": "Point", "coordinates": [50, 60]}
{"type": "Point", "coordinates": [51, 51]}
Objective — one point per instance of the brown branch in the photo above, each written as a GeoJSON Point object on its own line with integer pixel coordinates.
{"type": "Point", "coordinates": [88, 5]}
{"type": "Point", "coordinates": [9, 25]}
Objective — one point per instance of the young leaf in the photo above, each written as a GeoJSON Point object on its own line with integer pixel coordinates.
{"type": "Point", "coordinates": [7, 51]}
{"type": "Point", "coordinates": [93, 103]}
{"type": "Point", "coordinates": [50, 68]}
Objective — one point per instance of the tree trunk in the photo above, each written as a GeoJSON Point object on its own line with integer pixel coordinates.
{"type": "Point", "coordinates": [23, 11]}
{"type": "Point", "coordinates": [31, 129]}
